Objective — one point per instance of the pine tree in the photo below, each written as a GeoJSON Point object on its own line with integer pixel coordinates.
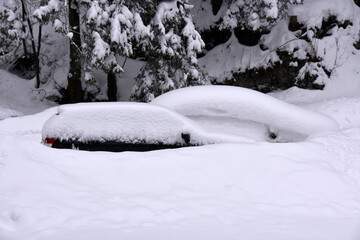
{"type": "Point", "coordinates": [112, 28]}
{"type": "Point", "coordinates": [172, 58]}
{"type": "Point", "coordinates": [51, 11]}
{"type": "Point", "coordinates": [255, 15]}
{"type": "Point", "coordinates": [42, 14]}
{"type": "Point", "coordinates": [17, 26]}
{"type": "Point", "coordinates": [11, 27]}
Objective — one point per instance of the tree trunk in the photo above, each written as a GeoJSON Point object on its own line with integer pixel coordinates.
{"type": "Point", "coordinates": [37, 57]}
{"type": "Point", "coordinates": [216, 5]}
{"type": "Point", "coordinates": [112, 87]}
{"type": "Point", "coordinates": [36, 50]}
{"type": "Point", "coordinates": [23, 27]}
{"type": "Point", "coordinates": [74, 92]}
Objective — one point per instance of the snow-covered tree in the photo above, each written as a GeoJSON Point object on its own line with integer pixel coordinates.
{"type": "Point", "coordinates": [47, 11]}
{"type": "Point", "coordinates": [112, 28]}
{"type": "Point", "coordinates": [18, 20]}
{"type": "Point", "coordinates": [65, 17]}
{"type": "Point", "coordinates": [172, 58]}
{"type": "Point", "coordinates": [11, 27]}
{"type": "Point", "coordinates": [255, 14]}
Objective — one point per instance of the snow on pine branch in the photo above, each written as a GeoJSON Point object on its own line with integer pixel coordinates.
{"type": "Point", "coordinates": [121, 29]}
{"type": "Point", "coordinates": [43, 12]}
{"type": "Point", "coordinates": [170, 37]}
{"type": "Point", "coordinates": [194, 41]}
{"type": "Point", "coordinates": [10, 27]}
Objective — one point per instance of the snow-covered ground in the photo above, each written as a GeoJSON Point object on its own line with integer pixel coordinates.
{"type": "Point", "coordinates": [305, 190]}
{"type": "Point", "coordinates": [308, 190]}
{"type": "Point", "coordinates": [18, 97]}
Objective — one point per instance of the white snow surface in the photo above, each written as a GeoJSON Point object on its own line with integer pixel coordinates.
{"type": "Point", "coordinates": [245, 104]}
{"type": "Point", "coordinates": [307, 190]}
{"type": "Point", "coordinates": [18, 96]}
{"type": "Point", "coordinates": [127, 122]}
{"type": "Point", "coordinates": [261, 191]}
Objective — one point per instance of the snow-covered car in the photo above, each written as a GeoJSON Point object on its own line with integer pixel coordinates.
{"type": "Point", "coordinates": [240, 109]}
{"type": "Point", "coordinates": [125, 127]}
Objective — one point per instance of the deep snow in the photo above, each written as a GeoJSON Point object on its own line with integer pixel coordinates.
{"type": "Point", "coordinates": [306, 190]}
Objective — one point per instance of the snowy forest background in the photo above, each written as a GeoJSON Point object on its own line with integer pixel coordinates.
{"type": "Point", "coordinates": [112, 50]}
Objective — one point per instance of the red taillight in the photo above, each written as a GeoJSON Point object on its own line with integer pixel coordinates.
{"type": "Point", "coordinates": [49, 142]}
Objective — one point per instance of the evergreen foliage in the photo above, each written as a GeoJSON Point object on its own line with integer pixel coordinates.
{"type": "Point", "coordinates": [172, 58]}
{"type": "Point", "coordinates": [112, 28]}
{"type": "Point", "coordinates": [11, 27]}
{"type": "Point", "coordinates": [159, 32]}
{"type": "Point", "coordinates": [255, 15]}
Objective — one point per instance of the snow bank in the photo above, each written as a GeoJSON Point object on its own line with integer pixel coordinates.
{"type": "Point", "coordinates": [245, 104]}
{"type": "Point", "coordinates": [18, 96]}
{"type": "Point", "coordinates": [126, 122]}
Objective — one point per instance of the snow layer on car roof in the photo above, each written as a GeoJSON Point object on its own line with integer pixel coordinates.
{"type": "Point", "coordinates": [126, 122]}
{"type": "Point", "coordinates": [245, 104]}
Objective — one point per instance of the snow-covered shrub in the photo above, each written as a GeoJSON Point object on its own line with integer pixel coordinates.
{"type": "Point", "coordinates": [305, 49]}
{"type": "Point", "coordinates": [251, 19]}
{"type": "Point", "coordinates": [255, 15]}
{"type": "Point", "coordinates": [326, 35]}
{"type": "Point", "coordinates": [172, 59]}
{"type": "Point", "coordinates": [47, 11]}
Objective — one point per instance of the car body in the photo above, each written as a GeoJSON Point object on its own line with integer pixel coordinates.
{"type": "Point", "coordinates": [125, 127]}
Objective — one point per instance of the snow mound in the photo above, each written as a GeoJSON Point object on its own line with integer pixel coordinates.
{"type": "Point", "coordinates": [6, 113]}
{"type": "Point", "coordinates": [245, 104]}
{"type": "Point", "coordinates": [126, 122]}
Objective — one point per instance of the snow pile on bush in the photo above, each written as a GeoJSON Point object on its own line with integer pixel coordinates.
{"type": "Point", "coordinates": [127, 122]}
{"type": "Point", "coordinates": [245, 104]}
{"type": "Point", "coordinates": [317, 42]}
